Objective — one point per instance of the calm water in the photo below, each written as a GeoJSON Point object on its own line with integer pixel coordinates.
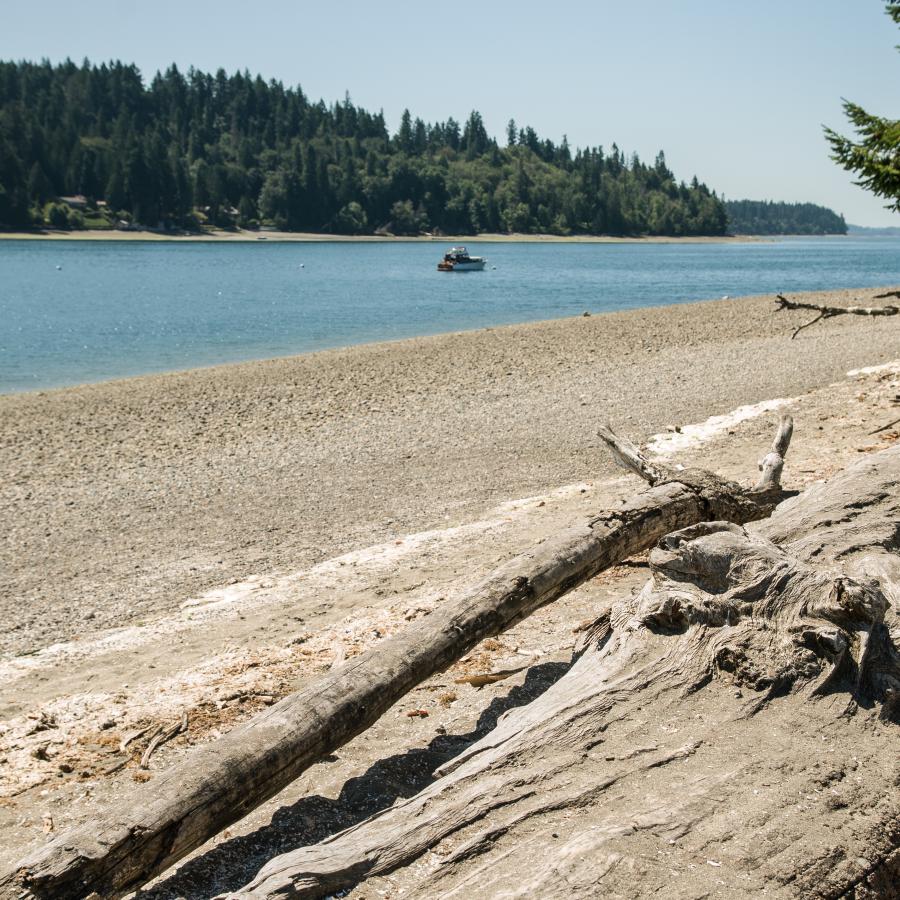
{"type": "Point", "coordinates": [73, 312]}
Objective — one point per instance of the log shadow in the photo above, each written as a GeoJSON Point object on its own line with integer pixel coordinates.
{"type": "Point", "coordinates": [634, 562]}
{"type": "Point", "coordinates": [231, 864]}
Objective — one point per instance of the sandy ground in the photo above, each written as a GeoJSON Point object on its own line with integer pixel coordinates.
{"type": "Point", "coordinates": [208, 541]}
{"type": "Point", "coordinates": [123, 499]}
{"type": "Point", "coordinates": [300, 236]}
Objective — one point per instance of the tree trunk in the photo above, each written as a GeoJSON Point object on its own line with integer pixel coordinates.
{"type": "Point", "coordinates": [730, 730]}
{"type": "Point", "coordinates": [219, 783]}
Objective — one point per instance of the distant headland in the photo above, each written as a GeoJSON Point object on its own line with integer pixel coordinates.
{"type": "Point", "coordinates": [95, 147]}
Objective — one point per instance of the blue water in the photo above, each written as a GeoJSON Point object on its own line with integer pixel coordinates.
{"type": "Point", "coordinates": [74, 312]}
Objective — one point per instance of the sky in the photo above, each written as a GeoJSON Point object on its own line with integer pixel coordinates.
{"type": "Point", "coordinates": [733, 92]}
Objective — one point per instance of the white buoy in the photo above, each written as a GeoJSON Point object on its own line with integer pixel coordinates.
{"type": "Point", "coordinates": [59, 268]}
{"type": "Point", "coordinates": [302, 266]}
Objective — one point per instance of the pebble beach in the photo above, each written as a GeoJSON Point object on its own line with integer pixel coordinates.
{"type": "Point", "coordinates": [122, 498]}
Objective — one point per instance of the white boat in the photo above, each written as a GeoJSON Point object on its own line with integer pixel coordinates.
{"type": "Point", "coordinates": [458, 260]}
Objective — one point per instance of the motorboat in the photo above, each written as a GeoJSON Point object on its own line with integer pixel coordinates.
{"type": "Point", "coordinates": [458, 260]}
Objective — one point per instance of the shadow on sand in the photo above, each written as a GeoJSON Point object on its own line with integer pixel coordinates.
{"type": "Point", "coordinates": [231, 864]}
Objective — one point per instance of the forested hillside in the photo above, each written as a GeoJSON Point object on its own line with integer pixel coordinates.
{"type": "Point", "coordinates": [190, 150]}
{"type": "Point", "coordinates": [768, 217]}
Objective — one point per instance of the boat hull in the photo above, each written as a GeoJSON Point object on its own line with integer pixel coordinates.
{"type": "Point", "coordinates": [473, 266]}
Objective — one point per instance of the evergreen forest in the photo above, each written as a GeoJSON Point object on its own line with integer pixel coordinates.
{"type": "Point", "coordinates": [194, 150]}
{"type": "Point", "coordinates": [768, 217]}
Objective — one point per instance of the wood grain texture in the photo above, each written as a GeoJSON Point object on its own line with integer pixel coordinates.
{"type": "Point", "coordinates": [215, 785]}
{"type": "Point", "coordinates": [731, 729]}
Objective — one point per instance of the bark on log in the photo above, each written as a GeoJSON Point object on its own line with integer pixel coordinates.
{"type": "Point", "coordinates": [215, 785]}
{"type": "Point", "coordinates": [731, 731]}
{"type": "Point", "coordinates": [829, 312]}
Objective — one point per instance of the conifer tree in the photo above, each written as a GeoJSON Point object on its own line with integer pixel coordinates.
{"type": "Point", "coordinates": [201, 149]}
{"type": "Point", "coordinates": [875, 155]}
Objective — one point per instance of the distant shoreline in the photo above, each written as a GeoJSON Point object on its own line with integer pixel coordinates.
{"type": "Point", "coordinates": [308, 237]}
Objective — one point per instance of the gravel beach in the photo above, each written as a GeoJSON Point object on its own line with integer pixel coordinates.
{"type": "Point", "coordinates": [121, 499]}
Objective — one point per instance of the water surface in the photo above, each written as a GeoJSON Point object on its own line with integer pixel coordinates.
{"type": "Point", "coordinates": [84, 311]}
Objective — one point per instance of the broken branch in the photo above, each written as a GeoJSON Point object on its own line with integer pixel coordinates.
{"type": "Point", "coordinates": [219, 783]}
{"type": "Point", "coordinates": [160, 737]}
{"type": "Point", "coordinates": [828, 312]}
{"type": "Point", "coordinates": [885, 427]}
{"type": "Point", "coordinates": [759, 643]}
{"type": "Point", "coordinates": [627, 456]}
{"type": "Point", "coordinates": [773, 462]}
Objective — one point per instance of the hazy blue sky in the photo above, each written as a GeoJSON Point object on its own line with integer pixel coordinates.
{"type": "Point", "coordinates": [734, 92]}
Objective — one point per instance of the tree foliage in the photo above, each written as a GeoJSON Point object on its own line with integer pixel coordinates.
{"type": "Point", "coordinates": [768, 217]}
{"type": "Point", "coordinates": [875, 154]}
{"type": "Point", "coordinates": [235, 150]}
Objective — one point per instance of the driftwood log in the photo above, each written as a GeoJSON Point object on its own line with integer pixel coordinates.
{"type": "Point", "coordinates": [157, 824]}
{"type": "Point", "coordinates": [731, 731]}
{"type": "Point", "coordinates": [829, 312]}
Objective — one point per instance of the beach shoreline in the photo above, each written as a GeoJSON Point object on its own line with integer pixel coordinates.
{"type": "Point", "coordinates": [217, 237]}
{"type": "Point", "coordinates": [126, 497]}
{"type": "Point", "coordinates": [205, 542]}
{"type": "Point", "coordinates": [847, 296]}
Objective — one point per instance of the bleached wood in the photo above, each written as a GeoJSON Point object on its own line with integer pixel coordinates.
{"type": "Point", "coordinates": [727, 733]}
{"type": "Point", "coordinates": [157, 824]}
{"type": "Point", "coordinates": [828, 312]}
{"type": "Point", "coordinates": [772, 463]}
{"type": "Point", "coordinates": [628, 457]}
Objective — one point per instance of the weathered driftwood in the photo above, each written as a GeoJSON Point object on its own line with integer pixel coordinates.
{"type": "Point", "coordinates": [161, 736]}
{"type": "Point", "coordinates": [885, 427]}
{"type": "Point", "coordinates": [158, 824]}
{"type": "Point", "coordinates": [627, 456]}
{"type": "Point", "coordinates": [829, 312]}
{"type": "Point", "coordinates": [730, 731]}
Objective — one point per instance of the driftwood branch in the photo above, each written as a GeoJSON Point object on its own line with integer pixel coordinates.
{"type": "Point", "coordinates": [829, 312]}
{"type": "Point", "coordinates": [772, 463]}
{"type": "Point", "coordinates": [133, 736]}
{"type": "Point", "coordinates": [881, 428]}
{"type": "Point", "coordinates": [728, 732]}
{"type": "Point", "coordinates": [627, 456]}
{"type": "Point", "coordinates": [220, 783]}
{"type": "Point", "coordinates": [161, 736]}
